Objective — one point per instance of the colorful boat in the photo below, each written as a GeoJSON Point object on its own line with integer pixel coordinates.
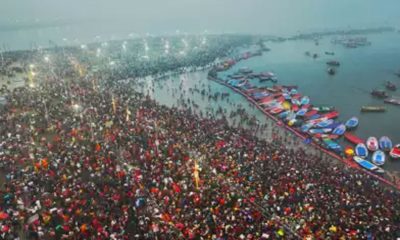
{"type": "Point", "coordinates": [324, 123]}
{"type": "Point", "coordinates": [367, 165]}
{"type": "Point", "coordinates": [385, 144]}
{"type": "Point", "coordinates": [332, 145]}
{"type": "Point", "coordinates": [316, 119]}
{"type": "Point", "coordinates": [378, 158]}
{"type": "Point", "coordinates": [320, 130]}
{"type": "Point", "coordinates": [301, 112]}
{"type": "Point", "coordinates": [330, 136]}
{"type": "Point", "coordinates": [306, 127]}
{"type": "Point", "coordinates": [361, 150]}
{"type": "Point", "coordinates": [352, 138]}
{"type": "Point", "coordinates": [334, 125]}
{"type": "Point", "coordinates": [331, 115]}
{"type": "Point", "coordinates": [305, 100]}
{"type": "Point", "coordinates": [295, 107]}
{"type": "Point", "coordinates": [291, 116]}
{"type": "Point", "coordinates": [287, 96]}
{"type": "Point", "coordinates": [296, 102]}
{"type": "Point", "coordinates": [352, 123]}
{"type": "Point", "coordinates": [310, 113]}
{"type": "Point", "coordinates": [277, 110]}
{"type": "Point", "coordinates": [372, 144]}
{"type": "Point", "coordinates": [339, 130]}
{"type": "Point", "coordinates": [395, 152]}
{"type": "Point", "coordinates": [266, 100]}
{"type": "Point", "coordinates": [286, 105]}
{"type": "Point", "coordinates": [260, 95]}
{"type": "Point", "coordinates": [283, 114]}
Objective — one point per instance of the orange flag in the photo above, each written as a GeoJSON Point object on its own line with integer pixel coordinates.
{"type": "Point", "coordinates": [98, 147]}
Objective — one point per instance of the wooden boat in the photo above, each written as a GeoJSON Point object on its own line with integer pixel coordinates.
{"type": "Point", "coordinates": [329, 53]}
{"type": "Point", "coordinates": [330, 136]}
{"type": "Point", "coordinates": [306, 127]}
{"type": "Point", "coordinates": [286, 105]}
{"type": "Point", "coordinates": [323, 109]}
{"type": "Point", "coordinates": [331, 71]}
{"type": "Point", "coordinates": [372, 144]}
{"type": "Point", "coordinates": [266, 100]}
{"type": "Point", "coordinates": [301, 112]}
{"type": "Point", "coordinates": [296, 96]}
{"type": "Point", "coordinates": [367, 165]}
{"type": "Point", "coordinates": [293, 91]}
{"type": "Point", "coordinates": [296, 102]}
{"type": "Point", "coordinates": [332, 145]}
{"type": "Point", "coordinates": [316, 119]}
{"type": "Point", "coordinates": [339, 130]}
{"type": "Point", "coordinates": [378, 158]}
{"type": "Point", "coordinates": [304, 100]}
{"type": "Point", "coordinates": [373, 109]}
{"type": "Point", "coordinates": [390, 86]}
{"type": "Point", "coordinates": [320, 130]}
{"type": "Point", "coordinates": [392, 100]}
{"type": "Point", "coordinates": [352, 138]}
{"type": "Point", "coordinates": [276, 110]}
{"type": "Point", "coordinates": [284, 114]}
{"type": "Point", "coordinates": [331, 115]}
{"type": "Point", "coordinates": [260, 95]}
{"type": "Point", "coordinates": [333, 63]}
{"type": "Point", "coordinates": [324, 123]}
{"type": "Point", "coordinates": [237, 76]}
{"type": "Point", "coordinates": [379, 93]}
{"type": "Point", "coordinates": [395, 152]}
{"type": "Point", "coordinates": [385, 144]}
{"type": "Point", "coordinates": [310, 113]}
{"type": "Point", "coordinates": [295, 107]}
{"type": "Point", "coordinates": [290, 87]}
{"type": "Point", "coordinates": [361, 150]}
{"type": "Point", "coordinates": [245, 70]}
{"type": "Point", "coordinates": [352, 123]}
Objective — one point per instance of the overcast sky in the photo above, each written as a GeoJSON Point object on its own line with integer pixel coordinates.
{"type": "Point", "coordinates": [106, 17]}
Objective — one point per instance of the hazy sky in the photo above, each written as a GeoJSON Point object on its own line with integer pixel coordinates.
{"type": "Point", "coordinates": [106, 17]}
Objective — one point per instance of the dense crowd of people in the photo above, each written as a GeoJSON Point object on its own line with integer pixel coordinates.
{"type": "Point", "coordinates": [90, 161]}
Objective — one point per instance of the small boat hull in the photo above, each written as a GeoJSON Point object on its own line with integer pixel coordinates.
{"type": "Point", "coordinates": [361, 150]}
{"type": "Point", "coordinates": [378, 158]}
{"type": "Point", "coordinates": [372, 144]}
{"type": "Point", "coordinates": [385, 144]}
{"type": "Point", "coordinates": [353, 139]}
{"type": "Point", "coordinates": [352, 123]}
{"type": "Point", "coordinates": [339, 130]}
{"type": "Point", "coordinates": [367, 165]}
{"type": "Point", "coordinates": [395, 152]}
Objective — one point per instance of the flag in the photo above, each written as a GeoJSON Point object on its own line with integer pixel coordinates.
{"type": "Point", "coordinates": [114, 106]}
{"type": "Point", "coordinates": [196, 174]}
{"type": "Point", "coordinates": [98, 147]}
{"type": "Point", "coordinates": [128, 113]}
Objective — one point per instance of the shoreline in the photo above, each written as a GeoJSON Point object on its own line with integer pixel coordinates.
{"type": "Point", "coordinates": [301, 137]}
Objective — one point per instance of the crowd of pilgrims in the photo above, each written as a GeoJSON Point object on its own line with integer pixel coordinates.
{"type": "Point", "coordinates": [86, 161]}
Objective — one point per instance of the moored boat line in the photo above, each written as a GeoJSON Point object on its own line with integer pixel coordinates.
{"type": "Point", "coordinates": [286, 106]}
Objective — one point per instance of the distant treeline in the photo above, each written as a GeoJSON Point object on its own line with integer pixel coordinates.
{"type": "Point", "coordinates": [316, 35]}
{"type": "Point", "coordinates": [344, 32]}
